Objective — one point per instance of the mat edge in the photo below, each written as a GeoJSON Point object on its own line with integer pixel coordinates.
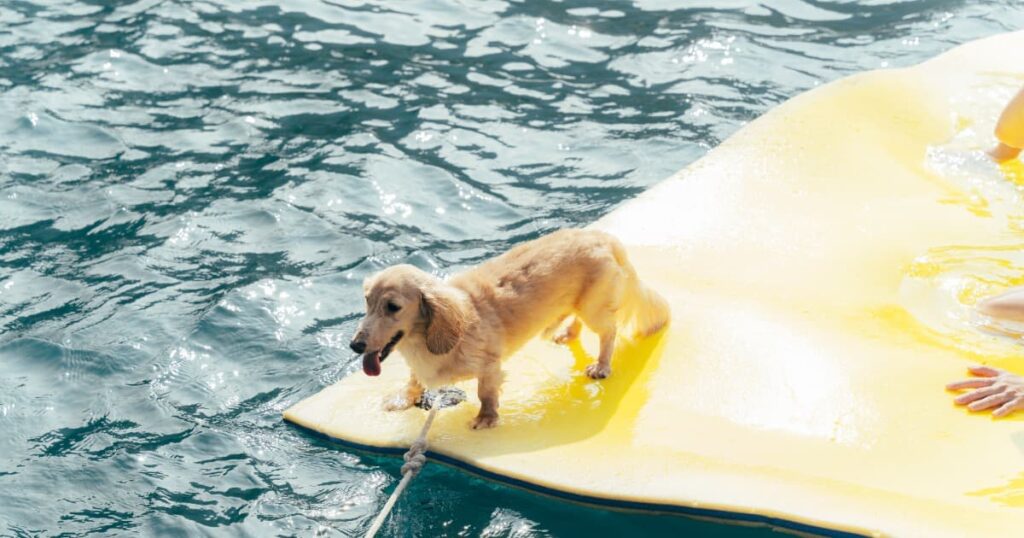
{"type": "Point", "coordinates": [793, 526]}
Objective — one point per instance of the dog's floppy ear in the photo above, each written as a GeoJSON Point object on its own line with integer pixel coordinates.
{"type": "Point", "coordinates": [446, 319]}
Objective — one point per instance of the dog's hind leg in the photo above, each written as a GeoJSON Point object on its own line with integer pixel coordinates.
{"type": "Point", "coordinates": [550, 330]}
{"type": "Point", "coordinates": [570, 333]}
{"type": "Point", "coordinates": [603, 367]}
{"type": "Point", "coordinates": [599, 310]}
{"type": "Point", "coordinates": [600, 318]}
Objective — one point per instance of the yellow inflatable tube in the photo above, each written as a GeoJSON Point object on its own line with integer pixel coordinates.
{"type": "Point", "coordinates": [822, 265]}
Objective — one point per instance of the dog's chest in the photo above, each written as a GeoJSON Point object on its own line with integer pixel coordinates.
{"type": "Point", "coordinates": [431, 370]}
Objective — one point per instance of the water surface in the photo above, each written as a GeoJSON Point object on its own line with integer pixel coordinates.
{"type": "Point", "coordinates": [191, 192]}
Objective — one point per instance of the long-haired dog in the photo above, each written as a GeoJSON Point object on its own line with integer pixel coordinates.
{"type": "Point", "coordinates": [463, 328]}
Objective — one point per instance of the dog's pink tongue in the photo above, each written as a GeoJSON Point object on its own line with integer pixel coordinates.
{"type": "Point", "coordinates": [371, 363]}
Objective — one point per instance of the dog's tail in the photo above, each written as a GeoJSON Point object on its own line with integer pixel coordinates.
{"type": "Point", "coordinates": [644, 307]}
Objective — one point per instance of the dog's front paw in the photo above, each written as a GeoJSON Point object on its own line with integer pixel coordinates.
{"type": "Point", "coordinates": [597, 371]}
{"type": "Point", "coordinates": [397, 402]}
{"type": "Point", "coordinates": [483, 422]}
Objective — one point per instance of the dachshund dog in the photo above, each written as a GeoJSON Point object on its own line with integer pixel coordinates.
{"type": "Point", "coordinates": [464, 327]}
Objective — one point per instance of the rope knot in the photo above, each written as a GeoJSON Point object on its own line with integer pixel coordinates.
{"type": "Point", "coordinates": [415, 458]}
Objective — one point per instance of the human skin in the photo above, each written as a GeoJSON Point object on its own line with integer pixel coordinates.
{"type": "Point", "coordinates": [1010, 130]}
{"type": "Point", "coordinates": [1002, 152]}
{"type": "Point", "coordinates": [994, 390]}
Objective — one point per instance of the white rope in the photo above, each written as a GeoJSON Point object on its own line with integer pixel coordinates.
{"type": "Point", "coordinates": [414, 458]}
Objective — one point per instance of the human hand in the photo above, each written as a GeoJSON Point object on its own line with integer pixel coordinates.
{"type": "Point", "coordinates": [994, 388]}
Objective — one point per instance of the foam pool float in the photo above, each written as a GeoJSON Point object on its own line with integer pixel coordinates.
{"type": "Point", "coordinates": [822, 265]}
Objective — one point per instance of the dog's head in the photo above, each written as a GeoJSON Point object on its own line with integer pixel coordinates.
{"type": "Point", "coordinates": [403, 300]}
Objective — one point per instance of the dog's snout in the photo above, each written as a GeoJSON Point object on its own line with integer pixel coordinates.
{"type": "Point", "coordinates": [358, 346]}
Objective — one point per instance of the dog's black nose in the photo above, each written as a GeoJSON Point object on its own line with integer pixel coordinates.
{"type": "Point", "coordinates": [357, 346]}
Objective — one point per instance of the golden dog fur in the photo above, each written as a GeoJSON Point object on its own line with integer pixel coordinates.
{"type": "Point", "coordinates": [464, 328]}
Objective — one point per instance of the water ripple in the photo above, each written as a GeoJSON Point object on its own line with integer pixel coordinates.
{"type": "Point", "coordinates": [191, 193]}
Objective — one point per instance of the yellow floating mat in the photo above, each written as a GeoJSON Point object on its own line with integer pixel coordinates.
{"type": "Point", "coordinates": [822, 265]}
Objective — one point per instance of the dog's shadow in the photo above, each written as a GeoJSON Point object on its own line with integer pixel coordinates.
{"type": "Point", "coordinates": [570, 407]}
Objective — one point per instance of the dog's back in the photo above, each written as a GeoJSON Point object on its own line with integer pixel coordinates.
{"type": "Point", "coordinates": [540, 282]}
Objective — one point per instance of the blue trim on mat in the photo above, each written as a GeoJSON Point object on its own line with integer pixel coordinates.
{"type": "Point", "coordinates": [600, 502]}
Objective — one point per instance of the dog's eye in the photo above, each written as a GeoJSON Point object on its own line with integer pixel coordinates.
{"type": "Point", "coordinates": [392, 307]}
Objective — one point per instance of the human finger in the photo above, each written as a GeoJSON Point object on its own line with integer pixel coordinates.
{"type": "Point", "coordinates": [984, 371]}
{"type": "Point", "coordinates": [1009, 407]}
{"type": "Point", "coordinates": [975, 383]}
{"type": "Point", "coordinates": [990, 402]}
{"type": "Point", "coordinates": [975, 395]}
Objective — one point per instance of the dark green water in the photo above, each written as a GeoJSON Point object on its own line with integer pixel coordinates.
{"type": "Point", "coordinates": [191, 192]}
